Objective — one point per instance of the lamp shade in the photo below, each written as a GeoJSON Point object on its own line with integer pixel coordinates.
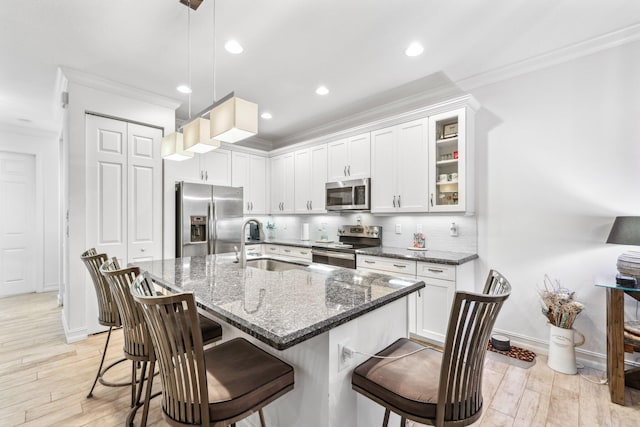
{"type": "Point", "coordinates": [625, 231]}
{"type": "Point", "coordinates": [234, 120]}
{"type": "Point", "coordinates": [172, 148]}
{"type": "Point", "coordinates": [197, 138]}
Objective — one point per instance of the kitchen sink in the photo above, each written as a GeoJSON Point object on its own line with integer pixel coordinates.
{"type": "Point", "coordinates": [269, 264]}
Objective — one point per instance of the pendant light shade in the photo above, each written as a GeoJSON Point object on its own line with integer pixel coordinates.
{"type": "Point", "coordinates": [234, 120]}
{"type": "Point", "coordinates": [196, 136]}
{"type": "Point", "coordinates": [172, 148]}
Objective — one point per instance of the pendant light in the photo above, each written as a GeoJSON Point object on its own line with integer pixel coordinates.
{"type": "Point", "coordinates": [197, 138]}
{"type": "Point", "coordinates": [232, 119]}
{"type": "Point", "coordinates": [172, 148]}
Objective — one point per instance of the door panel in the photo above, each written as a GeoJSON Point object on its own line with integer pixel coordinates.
{"type": "Point", "coordinates": [144, 188]}
{"type": "Point", "coordinates": [17, 216]}
{"type": "Point", "coordinates": [110, 207]}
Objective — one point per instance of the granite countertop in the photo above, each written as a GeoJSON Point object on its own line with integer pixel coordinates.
{"type": "Point", "coordinates": [279, 308]}
{"type": "Point", "coordinates": [439, 257]}
{"type": "Point", "coordinates": [292, 242]}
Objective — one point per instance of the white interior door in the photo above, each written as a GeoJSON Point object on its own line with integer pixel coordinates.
{"type": "Point", "coordinates": [17, 224]}
{"type": "Point", "coordinates": [144, 193]}
{"type": "Point", "coordinates": [107, 186]}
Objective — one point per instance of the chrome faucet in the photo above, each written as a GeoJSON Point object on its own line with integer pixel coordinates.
{"type": "Point", "coordinates": [243, 253]}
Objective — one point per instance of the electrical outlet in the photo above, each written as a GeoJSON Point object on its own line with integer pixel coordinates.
{"type": "Point", "coordinates": [344, 360]}
{"type": "Point", "coordinates": [398, 228]}
{"type": "Point", "coordinates": [419, 228]}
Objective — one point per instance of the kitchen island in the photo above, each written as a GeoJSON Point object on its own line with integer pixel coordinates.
{"type": "Point", "coordinates": [301, 315]}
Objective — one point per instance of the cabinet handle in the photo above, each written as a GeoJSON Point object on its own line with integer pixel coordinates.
{"type": "Point", "coordinates": [398, 200]}
{"type": "Point", "coordinates": [251, 206]}
{"type": "Point", "coordinates": [435, 270]}
{"type": "Point", "coordinates": [419, 293]}
{"type": "Point", "coordinates": [369, 262]}
{"type": "Point", "coordinates": [287, 250]}
{"type": "Point", "coordinates": [206, 175]}
{"type": "Point", "coordinates": [310, 205]}
{"type": "Point", "coordinates": [399, 265]}
{"type": "Point", "coordinates": [307, 205]}
{"type": "Point", "coordinates": [303, 253]}
{"type": "Point", "coordinates": [141, 249]}
{"type": "Point", "coordinates": [349, 170]}
{"type": "Point", "coordinates": [431, 199]}
{"type": "Point", "coordinates": [248, 208]}
{"type": "Point", "coordinates": [394, 201]}
{"type": "Point", "coordinates": [345, 171]}
{"type": "Point", "coordinates": [202, 175]}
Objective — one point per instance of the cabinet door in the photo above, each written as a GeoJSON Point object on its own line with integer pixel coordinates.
{"type": "Point", "coordinates": [383, 170]}
{"type": "Point", "coordinates": [337, 153]}
{"type": "Point", "coordinates": [258, 185]}
{"type": "Point", "coordinates": [433, 308]}
{"type": "Point", "coordinates": [216, 165]}
{"type": "Point", "coordinates": [144, 193]}
{"type": "Point", "coordinates": [318, 179]}
{"type": "Point", "coordinates": [447, 154]}
{"type": "Point", "coordinates": [185, 170]}
{"type": "Point", "coordinates": [288, 186]}
{"type": "Point", "coordinates": [359, 156]}
{"type": "Point", "coordinates": [302, 178]}
{"type": "Point", "coordinates": [240, 177]}
{"type": "Point", "coordinates": [412, 166]}
{"type": "Point", "coordinates": [277, 190]}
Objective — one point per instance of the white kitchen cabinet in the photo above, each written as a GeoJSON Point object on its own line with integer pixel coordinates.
{"type": "Point", "coordinates": [399, 168]}
{"type": "Point", "coordinates": [250, 172]}
{"type": "Point", "coordinates": [349, 158]}
{"type": "Point", "coordinates": [310, 179]}
{"type": "Point", "coordinates": [451, 161]}
{"type": "Point", "coordinates": [288, 251]}
{"type": "Point", "coordinates": [212, 168]}
{"type": "Point", "coordinates": [282, 184]}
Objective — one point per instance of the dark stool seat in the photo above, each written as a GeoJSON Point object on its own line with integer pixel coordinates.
{"type": "Point", "coordinates": [211, 330]}
{"type": "Point", "coordinates": [410, 383]}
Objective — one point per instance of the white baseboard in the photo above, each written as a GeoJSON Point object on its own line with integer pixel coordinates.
{"type": "Point", "coordinates": [588, 358]}
{"type": "Point", "coordinates": [73, 335]}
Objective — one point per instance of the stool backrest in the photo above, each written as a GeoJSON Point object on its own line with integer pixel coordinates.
{"type": "Point", "coordinates": [137, 341]}
{"type": "Point", "coordinates": [108, 314]}
{"type": "Point", "coordinates": [177, 341]}
{"type": "Point", "coordinates": [470, 324]}
{"type": "Point", "coordinates": [496, 283]}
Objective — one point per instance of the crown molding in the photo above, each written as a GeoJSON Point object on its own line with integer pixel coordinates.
{"type": "Point", "coordinates": [101, 83]}
{"type": "Point", "coordinates": [554, 57]}
{"type": "Point", "coordinates": [391, 120]}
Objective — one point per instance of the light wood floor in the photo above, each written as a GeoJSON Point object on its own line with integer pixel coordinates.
{"type": "Point", "coordinates": [44, 381]}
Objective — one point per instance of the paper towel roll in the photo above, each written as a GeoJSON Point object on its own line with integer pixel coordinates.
{"type": "Point", "coordinates": [305, 231]}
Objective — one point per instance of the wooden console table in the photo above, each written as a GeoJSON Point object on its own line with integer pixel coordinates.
{"type": "Point", "coordinates": [616, 374]}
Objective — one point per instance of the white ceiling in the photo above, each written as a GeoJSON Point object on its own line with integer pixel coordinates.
{"type": "Point", "coordinates": [354, 47]}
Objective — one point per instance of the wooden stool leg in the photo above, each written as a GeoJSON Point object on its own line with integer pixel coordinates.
{"type": "Point", "coordinates": [262, 424]}
{"type": "Point", "coordinates": [147, 397]}
{"type": "Point", "coordinates": [403, 422]}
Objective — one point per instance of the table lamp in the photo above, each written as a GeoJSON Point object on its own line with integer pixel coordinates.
{"type": "Point", "coordinates": [626, 231]}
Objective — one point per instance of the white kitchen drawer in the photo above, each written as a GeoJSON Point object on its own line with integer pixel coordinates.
{"type": "Point", "coordinates": [296, 252]}
{"type": "Point", "coordinates": [253, 249]}
{"type": "Point", "coordinates": [272, 249]}
{"type": "Point", "coordinates": [437, 271]}
{"type": "Point", "coordinates": [389, 265]}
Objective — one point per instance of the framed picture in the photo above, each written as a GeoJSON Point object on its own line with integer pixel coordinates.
{"type": "Point", "coordinates": [450, 130]}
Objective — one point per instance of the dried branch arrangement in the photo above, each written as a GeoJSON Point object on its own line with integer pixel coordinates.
{"type": "Point", "coordinates": [558, 304]}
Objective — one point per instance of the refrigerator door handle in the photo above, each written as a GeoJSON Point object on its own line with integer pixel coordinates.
{"type": "Point", "coordinates": [212, 232]}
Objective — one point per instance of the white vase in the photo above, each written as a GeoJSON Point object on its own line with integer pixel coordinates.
{"type": "Point", "coordinates": [562, 354]}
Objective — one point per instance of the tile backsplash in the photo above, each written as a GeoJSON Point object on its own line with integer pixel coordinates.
{"type": "Point", "coordinates": [436, 228]}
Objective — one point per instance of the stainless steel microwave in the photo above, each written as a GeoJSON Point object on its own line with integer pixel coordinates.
{"type": "Point", "coordinates": [351, 195]}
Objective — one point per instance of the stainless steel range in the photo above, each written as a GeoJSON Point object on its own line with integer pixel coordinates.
{"type": "Point", "coordinates": [351, 238]}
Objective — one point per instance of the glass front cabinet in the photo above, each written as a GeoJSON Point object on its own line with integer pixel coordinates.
{"type": "Point", "coordinates": [450, 170]}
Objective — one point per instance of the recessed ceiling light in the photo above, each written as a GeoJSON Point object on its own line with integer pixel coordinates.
{"type": "Point", "coordinates": [414, 49]}
{"type": "Point", "coordinates": [183, 89]}
{"type": "Point", "coordinates": [234, 47]}
{"type": "Point", "coordinates": [322, 90]}
{"type": "Point", "coordinates": [266, 116]}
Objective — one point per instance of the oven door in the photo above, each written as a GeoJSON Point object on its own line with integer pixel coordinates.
{"type": "Point", "coordinates": [338, 259]}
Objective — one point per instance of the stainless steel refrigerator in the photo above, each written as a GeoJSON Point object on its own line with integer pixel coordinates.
{"type": "Point", "coordinates": [208, 219]}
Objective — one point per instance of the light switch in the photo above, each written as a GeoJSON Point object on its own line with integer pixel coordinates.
{"type": "Point", "coordinates": [398, 228]}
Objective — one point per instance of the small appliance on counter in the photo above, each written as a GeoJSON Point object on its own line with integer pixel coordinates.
{"type": "Point", "coordinates": [254, 231]}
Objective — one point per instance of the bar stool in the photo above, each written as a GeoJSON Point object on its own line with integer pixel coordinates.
{"type": "Point", "coordinates": [137, 341]}
{"type": "Point", "coordinates": [108, 314]}
{"type": "Point", "coordinates": [426, 386]}
{"type": "Point", "coordinates": [214, 387]}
